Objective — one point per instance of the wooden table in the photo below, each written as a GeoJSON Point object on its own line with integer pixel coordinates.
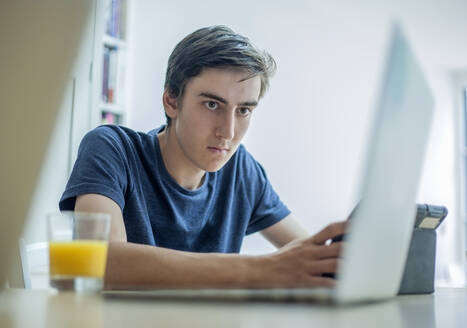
{"type": "Point", "coordinates": [36, 308]}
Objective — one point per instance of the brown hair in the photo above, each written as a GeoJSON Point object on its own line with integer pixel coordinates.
{"type": "Point", "coordinates": [215, 47]}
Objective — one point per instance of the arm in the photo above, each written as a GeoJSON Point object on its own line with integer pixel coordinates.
{"type": "Point", "coordinates": [299, 263]}
{"type": "Point", "coordinates": [284, 231]}
{"type": "Point", "coordinates": [133, 265]}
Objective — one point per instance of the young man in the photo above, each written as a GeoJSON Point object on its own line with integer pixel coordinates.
{"type": "Point", "coordinates": [183, 196]}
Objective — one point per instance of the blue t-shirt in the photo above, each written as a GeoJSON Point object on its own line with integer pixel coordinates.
{"type": "Point", "coordinates": [127, 167]}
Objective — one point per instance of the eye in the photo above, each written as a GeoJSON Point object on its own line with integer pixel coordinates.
{"type": "Point", "coordinates": [244, 111]}
{"type": "Point", "coordinates": [212, 105]}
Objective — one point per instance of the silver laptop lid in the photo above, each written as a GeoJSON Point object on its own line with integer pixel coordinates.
{"type": "Point", "coordinates": [380, 232]}
{"type": "Point", "coordinates": [40, 41]}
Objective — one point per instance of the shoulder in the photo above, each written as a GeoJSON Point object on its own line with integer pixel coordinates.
{"type": "Point", "coordinates": [247, 161]}
{"type": "Point", "coordinates": [109, 132]}
{"type": "Point", "coordinates": [113, 136]}
{"type": "Point", "coordinates": [246, 166]}
{"type": "Point", "coordinates": [247, 176]}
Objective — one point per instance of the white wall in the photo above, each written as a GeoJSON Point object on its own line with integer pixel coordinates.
{"type": "Point", "coordinates": [315, 118]}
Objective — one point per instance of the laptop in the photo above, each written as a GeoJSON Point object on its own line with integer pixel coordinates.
{"type": "Point", "coordinates": [39, 50]}
{"type": "Point", "coordinates": [379, 233]}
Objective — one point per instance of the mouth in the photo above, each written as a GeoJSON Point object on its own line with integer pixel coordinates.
{"type": "Point", "coordinates": [219, 150]}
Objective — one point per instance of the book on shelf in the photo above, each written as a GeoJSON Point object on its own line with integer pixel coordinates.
{"type": "Point", "coordinates": [110, 118]}
{"type": "Point", "coordinates": [105, 75]}
{"type": "Point", "coordinates": [113, 67]}
{"type": "Point", "coordinates": [111, 107]}
{"type": "Point", "coordinates": [114, 19]}
{"type": "Point", "coordinates": [109, 76]}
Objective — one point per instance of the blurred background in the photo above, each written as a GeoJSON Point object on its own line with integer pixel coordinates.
{"type": "Point", "coordinates": [310, 131]}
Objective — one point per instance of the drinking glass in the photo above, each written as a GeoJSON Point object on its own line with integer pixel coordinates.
{"type": "Point", "coordinates": [78, 244]}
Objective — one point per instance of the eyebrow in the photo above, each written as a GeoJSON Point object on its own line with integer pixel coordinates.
{"type": "Point", "coordinates": [224, 101]}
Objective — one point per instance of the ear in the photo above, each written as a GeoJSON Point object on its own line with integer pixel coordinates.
{"type": "Point", "coordinates": [170, 104]}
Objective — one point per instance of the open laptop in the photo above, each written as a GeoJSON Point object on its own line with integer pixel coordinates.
{"type": "Point", "coordinates": [39, 50]}
{"type": "Point", "coordinates": [379, 234]}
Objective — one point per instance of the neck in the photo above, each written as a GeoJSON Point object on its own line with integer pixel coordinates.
{"type": "Point", "coordinates": [184, 171]}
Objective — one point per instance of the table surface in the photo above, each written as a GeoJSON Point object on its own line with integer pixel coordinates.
{"type": "Point", "coordinates": [42, 308]}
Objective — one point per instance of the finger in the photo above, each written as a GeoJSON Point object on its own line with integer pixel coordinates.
{"type": "Point", "coordinates": [331, 231]}
{"type": "Point", "coordinates": [323, 266]}
{"type": "Point", "coordinates": [318, 281]}
{"type": "Point", "coordinates": [328, 251]}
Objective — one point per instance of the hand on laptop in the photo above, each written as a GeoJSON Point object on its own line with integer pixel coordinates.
{"type": "Point", "coordinates": [302, 262]}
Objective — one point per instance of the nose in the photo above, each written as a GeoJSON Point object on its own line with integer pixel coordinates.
{"type": "Point", "coordinates": [226, 126]}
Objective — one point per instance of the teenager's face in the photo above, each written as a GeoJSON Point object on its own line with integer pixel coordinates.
{"type": "Point", "coordinates": [214, 115]}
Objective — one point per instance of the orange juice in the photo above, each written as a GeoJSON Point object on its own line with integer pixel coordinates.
{"type": "Point", "coordinates": [78, 258]}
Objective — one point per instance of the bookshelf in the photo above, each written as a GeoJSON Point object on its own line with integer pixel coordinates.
{"type": "Point", "coordinates": [111, 48]}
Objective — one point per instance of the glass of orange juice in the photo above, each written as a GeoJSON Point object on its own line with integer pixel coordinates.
{"type": "Point", "coordinates": [77, 250]}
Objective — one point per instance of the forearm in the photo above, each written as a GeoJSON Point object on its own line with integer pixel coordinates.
{"type": "Point", "coordinates": [284, 231]}
{"type": "Point", "coordinates": [301, 263]}
{"type": "Point", "coordinates": [137, 266]}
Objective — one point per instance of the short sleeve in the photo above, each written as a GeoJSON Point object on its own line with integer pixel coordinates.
{"type": "Point", "coordinates": [268, 209]}
{"type": "Point", "coordinates": [99, 168]}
